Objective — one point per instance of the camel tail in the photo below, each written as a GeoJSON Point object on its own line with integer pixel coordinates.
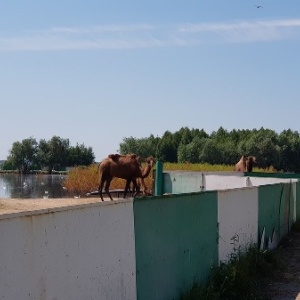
{"type": "Point", "coordinates": [98, 169]}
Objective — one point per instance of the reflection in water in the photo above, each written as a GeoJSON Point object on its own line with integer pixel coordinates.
{"type": "Point", "coordinates": [32, 186]}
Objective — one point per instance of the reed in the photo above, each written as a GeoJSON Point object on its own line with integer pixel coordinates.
{"type": "Point", "coordinates": [82, 180]}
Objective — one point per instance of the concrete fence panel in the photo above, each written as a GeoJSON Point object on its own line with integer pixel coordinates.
{"type": "Point", "coordinates": [237, 217]}
{"type": "Point", "coordinates": [82, 253]}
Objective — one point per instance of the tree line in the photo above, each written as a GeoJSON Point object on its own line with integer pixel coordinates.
{"type": "Point", "coordinates": [54, 154]}
{"type": "Point", "coordinates": [278, 150]}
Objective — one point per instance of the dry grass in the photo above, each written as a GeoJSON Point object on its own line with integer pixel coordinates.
{"type": "Point", "coordinates": [206, 167]}
{"type": "Point", "coordinates": [196, 167]}
{"type": "Point", "coordinates": [82, 180]}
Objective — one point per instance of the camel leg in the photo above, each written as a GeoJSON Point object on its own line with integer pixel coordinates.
{"type": "Point", "coordinates": [144, 188]}
{"type": "Point", "coordinates": [126, 187]}
{"type": "Point", "coordinates": [136, 187]}
{"type": "Point", "coordinates": [107, 188]}
{"type": "Point", "coordinates": [100, 189]}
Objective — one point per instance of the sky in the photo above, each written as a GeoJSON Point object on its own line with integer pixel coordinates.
{"type": "Point", "coordinates": [96, 72]}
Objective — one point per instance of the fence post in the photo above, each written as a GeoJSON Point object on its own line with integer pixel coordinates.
{"type": "Point", "coordinates": [159, 179]}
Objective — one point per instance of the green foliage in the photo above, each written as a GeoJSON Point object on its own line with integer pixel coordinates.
{"type": "Point", "coordinates": [239, 278]}
{"type": "Point", "coordinates": [23, 155]}
{"type": "Point", "coordinates": [289, 144]}
{"type": "Point", "coordinates": [55, 154]}
{"type": "Point", "coordinates": [80, 156]}
{"type": "Point", "coordinates": [167, 148]}
{"type": "Point", "coordinates": [143, 147]}
{"type": "Point", "coordinates": [273, 151]}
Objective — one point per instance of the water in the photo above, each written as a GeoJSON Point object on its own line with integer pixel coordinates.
{"type": "Point", "coordinates": [32, 186]}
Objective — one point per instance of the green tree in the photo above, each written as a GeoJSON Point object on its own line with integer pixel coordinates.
{"type": "Point", "coordinates": [211, 152]}
{"type": "Point", "coordinates": [262, 144]}
{"type": "Point", "coordinates": [143, 147]}
{"type": "Point", "coordinates": [183, 136]}
{"type": "Point", "coordinates": [289, 143]}
{"type": "Point", "coordinates": [191, 152]}
{"type": "Point", "coordinates": [166, 148]}
{"type": "Point", "coordinates": [54, 153]}
{"type": "Point", "coordinates": [221, 147]}
{"type": "Point", "coordinates": [23, 155]}
{"type": "Point", "coordinates": [80, 156]}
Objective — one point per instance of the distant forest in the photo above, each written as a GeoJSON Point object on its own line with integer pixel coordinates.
{"type": "Point", "coordinates": [278, 150]}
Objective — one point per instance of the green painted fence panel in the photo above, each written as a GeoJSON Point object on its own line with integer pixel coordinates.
{"type": "Point", "coordinates": [275, 210]}
{"type": "Point", "coordinates": [176, 243]}
{"type": "Point", "coordinates": [159, 179]}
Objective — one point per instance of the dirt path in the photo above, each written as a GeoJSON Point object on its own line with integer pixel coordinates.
{"type": "Point", "coordinates": [285, 284]}
{"type": "Point", "coordinates": [12, 206]}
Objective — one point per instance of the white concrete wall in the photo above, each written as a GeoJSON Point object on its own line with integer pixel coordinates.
{"type": "Point", "coordinates": [86, 252]}
{"type": "Point", "coordinates": [238, 219]}
{"type": "Point", "coordinates": [221, 182]}
{"type": "Point", "coordinates": [257, 181]}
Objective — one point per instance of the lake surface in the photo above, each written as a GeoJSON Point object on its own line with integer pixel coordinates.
{"type": "Point", "coordinates": [32, 186]}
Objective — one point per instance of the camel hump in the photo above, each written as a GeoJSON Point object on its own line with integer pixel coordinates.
{"type": "Point", "coordinates": [133, 156]}
{"type": "Point", "coordinates": [240, 166]}
{"type": "Point", "coordinates": [114, 157]}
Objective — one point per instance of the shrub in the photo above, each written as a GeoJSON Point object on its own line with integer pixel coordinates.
{"type": "Point", "coordinates": [238, 279]}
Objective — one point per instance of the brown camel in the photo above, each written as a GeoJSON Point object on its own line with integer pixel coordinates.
{"type": "Point", "coordinates": [140, 181]}
{"type": "Point", "coordinates": [251, 160]}
{"type": "Point", "coordinates": [241, 165]}
{"type": "Point", "coordinates": [245, 164]}
{"type": "Point", "coordinates": [125, 167]}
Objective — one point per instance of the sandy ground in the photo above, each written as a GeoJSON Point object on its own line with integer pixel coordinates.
{"type": "Point", "coordinates": [11, 206]}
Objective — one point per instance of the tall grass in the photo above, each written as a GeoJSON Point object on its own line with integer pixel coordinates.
{"type": "Point", "coordinates": [241, 278]}
{"type": "Point", "coordinates": [82, 180]}
{"type": "Point", "coordinates": [196, 167]}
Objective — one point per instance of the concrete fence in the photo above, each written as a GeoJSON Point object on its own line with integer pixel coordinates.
{"type": "Point", "coordinates": [143, 248]}
{"type": "Point", "coordinates": [85, 252]}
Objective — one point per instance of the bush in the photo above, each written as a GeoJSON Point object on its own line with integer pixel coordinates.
{"type": "Point", "coordinates": [238, 279]}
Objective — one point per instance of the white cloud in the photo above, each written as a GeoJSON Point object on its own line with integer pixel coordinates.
{"type": "Point", "coordinates": [103, 28]}
{"type": "Point", "coordinates": [147, 35]}
{"type": "Point", "coordinates": [245, 31]}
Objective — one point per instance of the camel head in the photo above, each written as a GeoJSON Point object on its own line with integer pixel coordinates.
{"type": "Point", "coordinates": [149, 164]}
{"type": "Point", "coordinates": [150, 161]}
{"type": "Point", "coordinates": [250, 161]}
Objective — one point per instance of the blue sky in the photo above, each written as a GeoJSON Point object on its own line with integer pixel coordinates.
{"type": "Point", "coordinates": [98, 71]}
